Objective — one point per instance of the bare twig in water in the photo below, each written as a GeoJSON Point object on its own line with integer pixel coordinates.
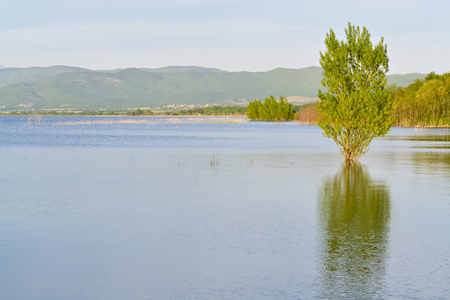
{"type": "Point", "coordinates": [213, 160]}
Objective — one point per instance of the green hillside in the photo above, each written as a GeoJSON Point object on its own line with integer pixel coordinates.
{"type": "Point", "coordinates": [404, 79]}
{"type": "Point", "coordinates": [26, 75]}
{"type": "Point", "coordinates": [184, 69]}
{"type": "Point", "coordinates": [80, 89]}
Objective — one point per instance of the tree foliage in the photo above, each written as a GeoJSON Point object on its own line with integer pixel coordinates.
{"type": "Point", "coordinates": [424, 102]}
{"type": "Point", "coordinates": [211, 111]}
{"type": "Point", "coordinates": [140, 112]}
{"type": "Point", "coordinates": [271, 110]}
{"type": "Point", "coordinates": [356, 107]}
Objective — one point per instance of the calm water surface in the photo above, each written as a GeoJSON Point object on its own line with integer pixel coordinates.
{"type": "Point", "coordinates": [200, 208]}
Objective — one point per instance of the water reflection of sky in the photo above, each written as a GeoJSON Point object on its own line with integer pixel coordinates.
{"type": "Point", "coordinates": [122, 210]}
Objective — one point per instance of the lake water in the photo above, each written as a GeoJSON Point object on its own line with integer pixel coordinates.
{"type": "Point", "coordinates": [205, 208]}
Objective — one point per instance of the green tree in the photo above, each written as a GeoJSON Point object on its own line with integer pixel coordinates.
{"type": "Point", "coordinates": [254, 110]}
{"type": "Point", "coordinates": [356, 107]}
{"type": "Point", "coordinates": [424, 102]}
{"type": "Point", "coordinates": [271, 110]}
{"type": "Point", "coordinates": [431, 97]}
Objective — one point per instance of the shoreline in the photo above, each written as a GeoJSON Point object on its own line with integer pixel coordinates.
{"type": "Point", "coordinates": [299, 122]}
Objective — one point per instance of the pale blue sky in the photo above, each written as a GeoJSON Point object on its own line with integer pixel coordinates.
{"type": "Point", "coordinates": [233, 35]}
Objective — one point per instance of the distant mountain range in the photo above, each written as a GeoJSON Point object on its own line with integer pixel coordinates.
{"type": "Point", "coordinates": [71, 88]}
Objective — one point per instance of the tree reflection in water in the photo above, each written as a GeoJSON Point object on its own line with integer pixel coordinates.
{"type": "Point", "coordinates": [354, 213]}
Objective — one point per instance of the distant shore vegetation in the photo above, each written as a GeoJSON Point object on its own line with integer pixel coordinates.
{"type": "Point", "coordinates": [198, 111]}
{"type": "Point", "coordinates": [210, 111]}
{"type": "Point", "coordinates": [423, 103]}
{"type": "Point", "coordinates": [271, 110]}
